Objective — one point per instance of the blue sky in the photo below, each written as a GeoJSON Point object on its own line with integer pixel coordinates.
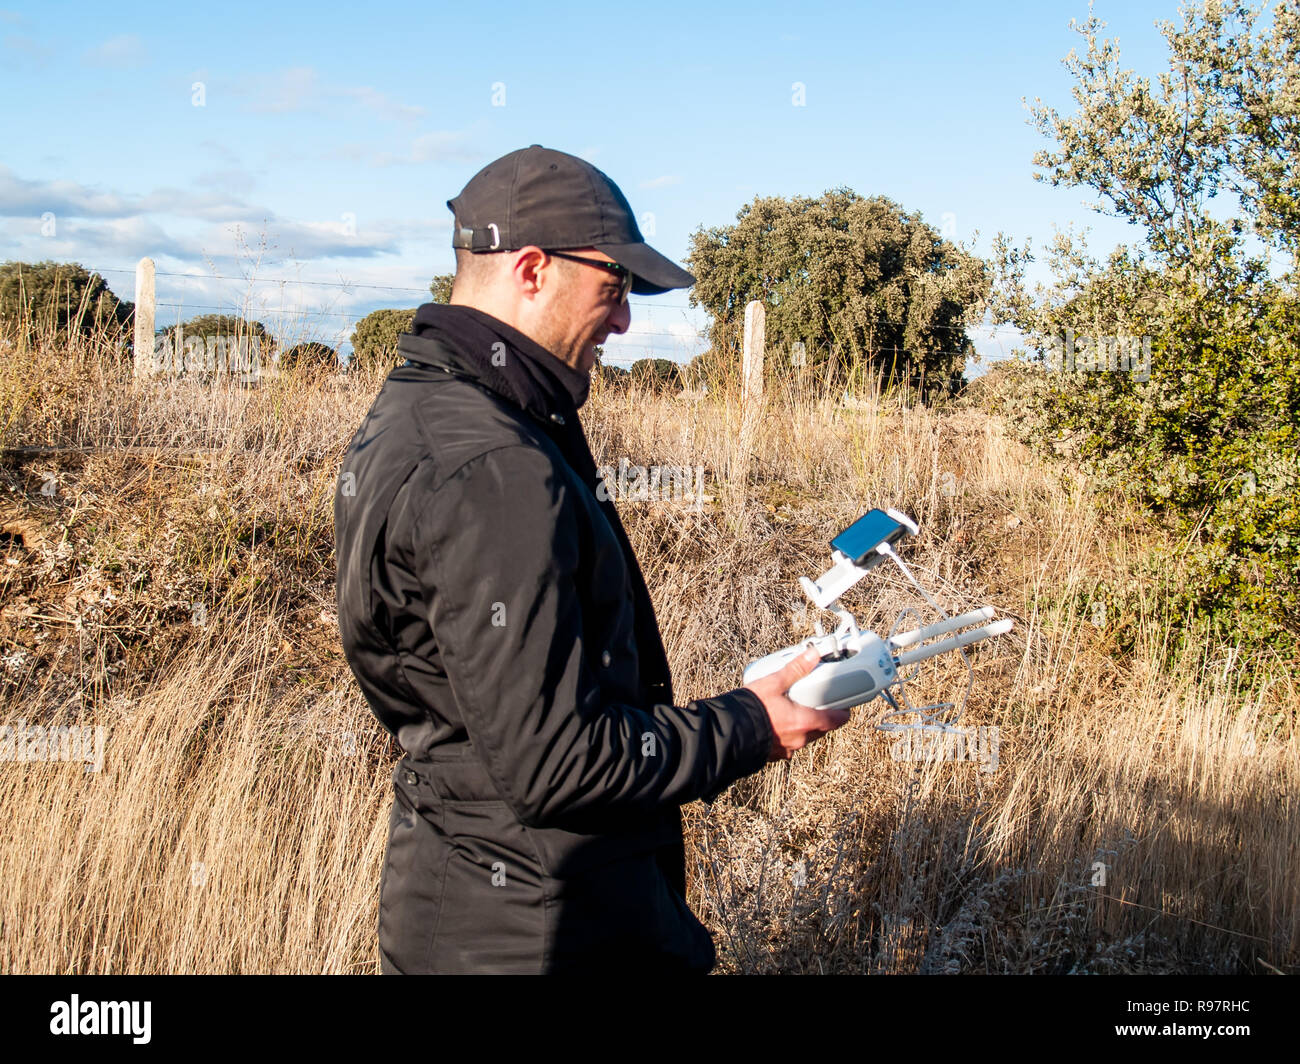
{"type": "Point", "coordinates": [328, 141]}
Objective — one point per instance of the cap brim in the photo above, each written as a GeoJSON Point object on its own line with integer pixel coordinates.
{"type": "Point", "coordinates": [653, 272]}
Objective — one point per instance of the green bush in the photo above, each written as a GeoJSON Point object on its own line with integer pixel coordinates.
{"type": "Point", "coordinates": [657, 374]}
{"type": "Point", "coordinates": [709, 370]}
{"type": "Point", "coordinates": [311, 355]}
{"type": "Point", "coordinates": [1203, 431]}
{"type": "Point", "coordinates": [56, 298]}
{"type": "Point", "coordinates": [374, 343]}
{"type": "Point", "coordinates": [616, 376]}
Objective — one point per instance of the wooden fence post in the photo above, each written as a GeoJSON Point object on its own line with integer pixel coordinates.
{"type": "Point", "coordinates": [144, 317]}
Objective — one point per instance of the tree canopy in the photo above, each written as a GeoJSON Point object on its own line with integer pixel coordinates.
{"type": "Point", "coordinates": [1206, 430]}
{"type": "Point", "coordinates": [440, 287]}
{"type": "Point", "coordinates": [1224, 119]}
{"type": "Point", "coordinates": [858, 281]}
{"type": "Point", "coordinates": [374, 342]}
{"type": "Point", "coordinates": [58, 297]}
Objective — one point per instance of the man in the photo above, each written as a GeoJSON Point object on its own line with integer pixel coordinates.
{"type": "Point", "coordinates": [496, 619]}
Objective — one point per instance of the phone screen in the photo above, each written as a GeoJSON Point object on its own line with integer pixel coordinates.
{"type": "Point", "coordinates": [861, 538]}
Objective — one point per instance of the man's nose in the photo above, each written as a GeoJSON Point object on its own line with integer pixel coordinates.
{"type": "Point", "coordinates": [620, 318]}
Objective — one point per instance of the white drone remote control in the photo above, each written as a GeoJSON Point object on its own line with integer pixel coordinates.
{"type": "Point", "coordinates": [858, 665]}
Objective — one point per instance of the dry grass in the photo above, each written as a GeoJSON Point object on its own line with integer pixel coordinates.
{"type": "Point", "coordinates": [173, 584]}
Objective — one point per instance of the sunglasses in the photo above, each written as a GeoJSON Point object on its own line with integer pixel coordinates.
{"type": "Point", "coordinates": [623, 274]}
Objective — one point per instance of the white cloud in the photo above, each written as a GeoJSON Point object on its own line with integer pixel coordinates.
{"type": "Point", "coordinates": [209, 206]}
{"type": "Point", "coordinates": [19, 197]}
{"type": "Point", "coordinates": [315, 240]}
{"type": "Point", "coordinates": [677, 339]}
{"type": "Point", "coordinates": [351, 152]}
{"type": "Point", "coordinates": [123, 51]}
{"type": "Point", "coordinates": [302, 89]}
{"type": "Point", "coordinates": [660, 182]}
{"type": "Point", "coordinates": [383, 105]}
{"type": "Point", "coordinates": [119, 228]}
{"type": "Point", "coordinates": [222, 151]}
{"type": "Point", "coordinates": [234, 179]}
{"type": "Point", "coordinates": [115, 240]}
{"type": "Point", "coordinates": [293, 310]}
{"type": "Point", "coordinates": [290, 90]}
{"type": "Point", "coordinates": [442, 146]}
{"type": "Point", "coordinates": [28, 48]}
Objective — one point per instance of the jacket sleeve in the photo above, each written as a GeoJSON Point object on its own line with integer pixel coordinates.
{"type": "Point", "coordinates": [496, 553]}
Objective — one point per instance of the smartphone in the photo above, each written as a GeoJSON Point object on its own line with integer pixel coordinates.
{"type": "Point", "coordinates": [859, 541]}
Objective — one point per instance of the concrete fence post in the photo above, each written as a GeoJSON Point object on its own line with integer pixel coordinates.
{"type": "Point", "coordinates": [145, 307]}
{"type": "Point", "coordinates": [751, 409]}
{"type": "Point", "coordinates": [755, 339]}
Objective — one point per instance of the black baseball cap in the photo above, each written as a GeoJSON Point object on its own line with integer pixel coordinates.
{"type": "Point", "coordinates": [556, 201]}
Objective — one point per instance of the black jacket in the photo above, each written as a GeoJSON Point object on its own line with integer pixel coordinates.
{"type": "Point", "coordinates": [496, 620]}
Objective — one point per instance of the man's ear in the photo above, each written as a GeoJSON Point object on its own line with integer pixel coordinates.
{"type": "Point", "coordinates": [526, 271]}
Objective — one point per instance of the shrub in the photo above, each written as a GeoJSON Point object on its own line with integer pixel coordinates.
{"type": "Point", "coordinates": [711, 370]}
{"type": "Point", "coordinates": [657, 374]}
{"type": "Point", "coordinates": [56, 298]}
{"type": "Point", "coordinates": [614, 376]}
{"type": "Point", "coordinates": [311, 355]}
{"type": "Point", "coordinates": [374, 343]}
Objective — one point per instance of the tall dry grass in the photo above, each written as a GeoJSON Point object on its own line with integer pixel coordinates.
{"type": "Point", "coordinates": [176, 588]}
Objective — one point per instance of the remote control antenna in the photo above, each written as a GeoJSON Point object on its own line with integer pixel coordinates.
{"type": "Point", "coordinates": [953, 642]}
{"type": "Point", "coordinates": [929, 631]}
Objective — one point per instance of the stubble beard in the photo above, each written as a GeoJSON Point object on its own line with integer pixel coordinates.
{"type": "Point", "coordinates": [571, 351]}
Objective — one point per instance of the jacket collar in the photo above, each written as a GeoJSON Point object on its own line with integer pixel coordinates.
{"type": "Point", "coordinates": [472, 343]}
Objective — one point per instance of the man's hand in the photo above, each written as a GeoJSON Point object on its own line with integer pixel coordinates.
{"type": "Point", "coordinates": [794, 726]}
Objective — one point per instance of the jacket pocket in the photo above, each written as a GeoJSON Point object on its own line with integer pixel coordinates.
{"type": "Point", "coordinates": [410, 886]}
{"type": "Point", "coordinates": [494, 905]}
